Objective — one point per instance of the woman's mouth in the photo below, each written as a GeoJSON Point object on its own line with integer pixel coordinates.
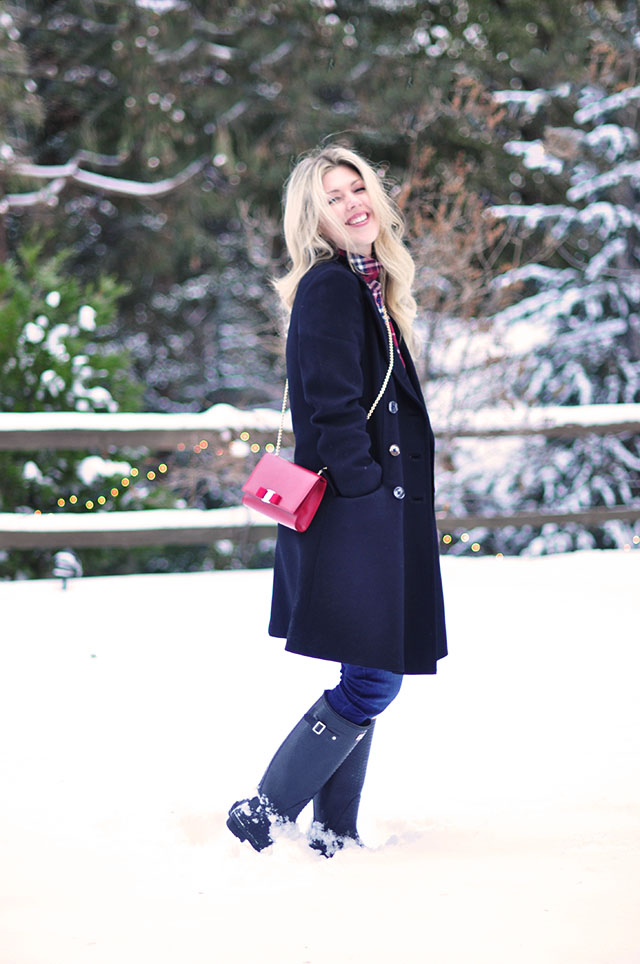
{"type": "Point", "coordinates": [358, 219]}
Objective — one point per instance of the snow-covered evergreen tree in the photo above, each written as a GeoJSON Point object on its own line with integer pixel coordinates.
{"type": "Point", "coordinates": [572, 334]}
{"type": "Point", "coordinates": [54, 357]}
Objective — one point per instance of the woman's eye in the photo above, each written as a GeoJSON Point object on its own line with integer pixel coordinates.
{"type": "Point", "coordinates": [333, 199]}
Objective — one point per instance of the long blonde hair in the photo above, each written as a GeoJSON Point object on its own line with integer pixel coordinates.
{"type": "Point", "coordinates": [305, 206]}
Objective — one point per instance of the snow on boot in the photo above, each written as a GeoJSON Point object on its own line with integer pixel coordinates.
{"type": "Point", "coordinates": [314, 749]}
{"type": "Point", "coordinates": [336, 804]}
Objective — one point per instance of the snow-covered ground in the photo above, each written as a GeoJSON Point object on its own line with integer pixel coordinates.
{"type": "Point", "coordinates": [502, 809]}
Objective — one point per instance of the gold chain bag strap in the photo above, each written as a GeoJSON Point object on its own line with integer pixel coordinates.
{"type": "Point", "coordinates": [289, 493]}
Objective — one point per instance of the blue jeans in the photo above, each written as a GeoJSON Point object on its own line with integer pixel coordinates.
{"type": "Point", "coordinates": [363, 692]}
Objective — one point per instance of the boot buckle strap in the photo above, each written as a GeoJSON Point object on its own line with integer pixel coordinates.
{"type": "Point", "coordinates": [319, 727]}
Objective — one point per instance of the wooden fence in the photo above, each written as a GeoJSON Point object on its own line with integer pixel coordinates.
{"type": "Point", "coordinates": [105, 433]}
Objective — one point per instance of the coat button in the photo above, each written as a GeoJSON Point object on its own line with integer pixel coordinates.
{"type": "Point", "coordinates": [394, 450]}
{"type": "Point", "coordinates": [393, 407]}
{"type": "Point", "coordinates": [398, 492]}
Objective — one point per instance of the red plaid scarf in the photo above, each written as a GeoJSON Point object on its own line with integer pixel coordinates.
{"type": "Point", "coordinates": [370, 270]}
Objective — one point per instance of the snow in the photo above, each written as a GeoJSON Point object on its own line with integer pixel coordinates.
{"type": "Point", "coordinates": [158, 6]}
{"type": "Point", "coordinates": [96, 396]}
{"type": "Point", "coordinates": [87, 318]}
{"type": "Point", "coordinates": [531, 214]}
{"type": "Point", "coordinates": [628, 170]}
{"type": "Point", "coordinates": [599, 264]}
{"type": "Point", "coordinates": [531, 100]}
{"type": "Point", "coordinates": [217, 418]}
{"type": "Point", "coordinates": [225, 418]}
{"type": "Point", "coordinates": [95, 467]}
{"type": "Point", "coordinates": [605, 105]}
{"type": "Point", "coordinates": [500, 812]}
{"type": "Point", "coordinates": [535, 156]}
{"type": "Point", "coordinates": [33, 333]}
{"type": "Point", "coordinates": [528, 419]}
{"type": "Point", "coordinates": [611, 140]}
{"type": "Point", "coordinates": [138, 520]}
{"type": "Point", "coordinates": [55, 344]}
{"type": "Point", "coordinates": [608, 217]}
{"type": "Point", "coordinates": [31, 472]}
{"type": "Point", "coordinates": [540, 273]}
{"type": "Point", "coordinates": [52, 382]}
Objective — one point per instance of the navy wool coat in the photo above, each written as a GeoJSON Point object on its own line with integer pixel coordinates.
{"type": "Point", "coordinates": [362, 585]}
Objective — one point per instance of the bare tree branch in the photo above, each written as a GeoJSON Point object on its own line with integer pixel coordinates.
{"type": "Point", "coordinates": [61, 174]}
{"type": "Point", "coordinates": [47, 195]}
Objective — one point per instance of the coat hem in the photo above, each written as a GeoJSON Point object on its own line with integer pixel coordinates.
{"type": "Point", "coordinates": [426, 669]}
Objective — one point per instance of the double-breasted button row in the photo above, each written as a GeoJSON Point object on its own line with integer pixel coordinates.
{"type": "Point", "coordinates": [398, 492]}
{"type": "Point", "coordinates": [394, 449]}
{"type": "Point", "coordinates": [393, 407]}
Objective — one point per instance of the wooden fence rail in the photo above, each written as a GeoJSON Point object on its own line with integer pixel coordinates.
{"type": "Point", "coordinates": [80, 430]}
{"type": "Point", "coordinates": [222, 424]}
{"type": "Point", "coordinates": [151, 527]}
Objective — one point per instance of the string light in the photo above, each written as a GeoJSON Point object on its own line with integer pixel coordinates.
{"type": "Point", "coordinates": [151, 475]}
{"type": "Point", "coordinates": [203, 445]}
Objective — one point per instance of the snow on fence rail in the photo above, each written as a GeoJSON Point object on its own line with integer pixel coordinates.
{"type": "Point", "coordinates": [146, 527]}
{"type": "Point", "coordinates": [79, 430]}
{"type": "Point", "coordinates": [149, 527]}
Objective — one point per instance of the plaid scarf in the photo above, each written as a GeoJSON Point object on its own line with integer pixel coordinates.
{"type": "Point", "coordinates": [370, 270]}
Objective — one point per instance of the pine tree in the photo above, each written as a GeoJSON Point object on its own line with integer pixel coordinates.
{"type": "Point", "coordinates": [54, 357]}
{"type": "Point", "coordinates": [572, 335]}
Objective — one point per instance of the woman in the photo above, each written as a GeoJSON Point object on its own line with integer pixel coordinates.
{"type": "Point", "coordinates": [362, 585]}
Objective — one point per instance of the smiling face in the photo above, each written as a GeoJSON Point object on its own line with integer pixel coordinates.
{"type": "Point", "coordinates": [350, 205]}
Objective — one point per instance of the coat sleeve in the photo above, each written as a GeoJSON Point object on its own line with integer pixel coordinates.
{"type": "Point", "coordinates": [330, 318]}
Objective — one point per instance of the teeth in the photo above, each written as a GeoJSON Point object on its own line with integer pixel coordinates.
{"type": "Point", "coordinates": [360, 219]}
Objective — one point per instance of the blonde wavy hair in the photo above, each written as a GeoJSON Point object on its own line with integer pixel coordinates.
{"type": "Point", "coordinates": [306, 207]}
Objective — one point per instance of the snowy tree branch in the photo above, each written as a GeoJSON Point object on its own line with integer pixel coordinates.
{"type": "Point", "coordinates": [46, 195]}
{"type": "Point", "coordinates": [61, 174]}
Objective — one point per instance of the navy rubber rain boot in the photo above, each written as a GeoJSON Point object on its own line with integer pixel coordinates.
{"type": "Point", "coordinates": [336, 804]}
{"type": "Point", "coordinates": [314, 749]}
